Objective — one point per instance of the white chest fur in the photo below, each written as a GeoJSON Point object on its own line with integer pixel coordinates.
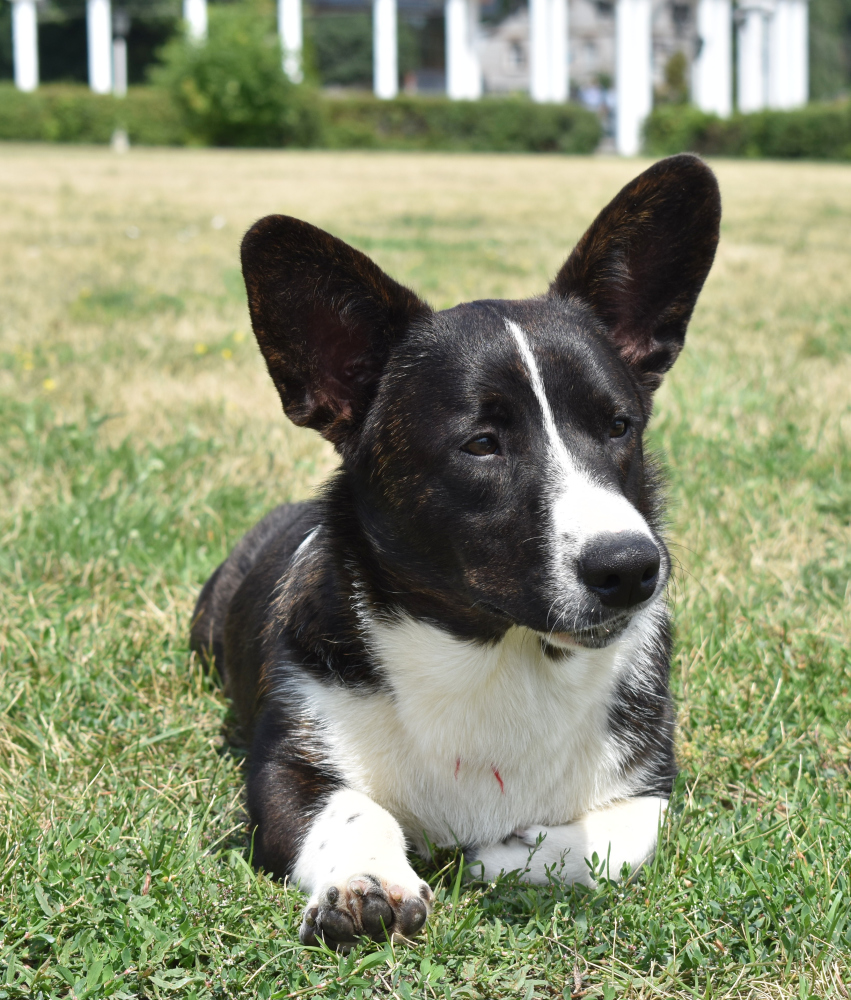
{"type": "Point", "coordinates": [469, 742]}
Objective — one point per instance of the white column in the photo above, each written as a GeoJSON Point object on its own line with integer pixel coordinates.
{"type": "Point", "coordinates": [474, 66]}
{"type": "Point", "coordinates": [119, 66]}
{"type": "Point", "coordinates": [633, 72]}
{"type": "Point", "coordinates": [753, 42]}
{"type": "Point", "coordinates": [787, 55]}
{"type": "Point", "coordinates": [548, 50]}
{"type": "Point", "coordinates": [195, 16]}
{"type": "Point", "coordinates": [385, 49]}
{"type": "Point", "coordinates": [777, 62]}
{"type": "Point", "coordinates": [25, 44]}
{"type": "Point", "coordinates": [539, 50]}
{"type": "Point", "coordinates": [455, 16]}
{"type": "Point", "coordinates": [799, 53]}
{"type": "Point", "coordinates": [558, 51]}
{"type": "Point", "coordinates": [712, 71]}
{"type": "Point", "coordinates": [463, 69]}
{"type": "Point", "coordinates": [290, 33]}
{"type": "Point", "coordinates": [99, 34]}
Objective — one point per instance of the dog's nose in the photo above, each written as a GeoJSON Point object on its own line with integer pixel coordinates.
{"type": "Point", "coordinates": [622, 570]}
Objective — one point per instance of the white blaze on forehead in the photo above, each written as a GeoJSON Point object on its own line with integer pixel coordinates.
{"type": "Point", "coordinates": [555, 441]}
{"type": "Point", "coordinates": [581, 507]}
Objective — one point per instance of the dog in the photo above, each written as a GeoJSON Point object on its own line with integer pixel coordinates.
{"type": "Point", "coordinates": [464, 639]}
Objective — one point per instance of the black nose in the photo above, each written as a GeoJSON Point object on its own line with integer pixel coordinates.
{"type": "Point", "coordinates": [622, 570]}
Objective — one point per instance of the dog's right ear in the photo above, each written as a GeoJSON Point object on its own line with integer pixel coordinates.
{"type": "Point", "coordinates": [325, 317]}
{"type": "Point", "coordinates": [642, 262]}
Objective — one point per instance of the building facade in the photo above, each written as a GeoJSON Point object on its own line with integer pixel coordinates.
{"type": "Point", "coordinates": [505, 49]}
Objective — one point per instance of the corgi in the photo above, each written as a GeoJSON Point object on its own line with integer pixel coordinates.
{"type": "Point", "coordinates": [464, 638]}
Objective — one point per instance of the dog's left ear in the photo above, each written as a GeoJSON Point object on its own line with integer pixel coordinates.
{"type": "Point", "coordinates": [642, 263]}
{"type": "Point", "coordinates": [326, 318]}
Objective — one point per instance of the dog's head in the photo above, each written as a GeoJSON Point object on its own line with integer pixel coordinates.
{"type": "Point", "coordinates": [494, 451]}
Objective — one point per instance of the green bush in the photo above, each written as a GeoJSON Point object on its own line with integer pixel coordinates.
{"type": "Point", "coordinates": [153, 116]}
{"type": "Point", "coordinates": [815, 132]}
{"type": "Point", "coordinates": [342, 48]}
{"type": "Point", "coordinates": [72, 113]}
{"type": "Point", "coordinates": [232, 91]}
{"type": "Point", "coordinates": [495, 124]}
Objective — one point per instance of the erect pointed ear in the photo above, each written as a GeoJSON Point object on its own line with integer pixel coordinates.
{"type": "Point", "coordinates": [325, 317]}
{"type": "Point", "coordinates": [642, 263]}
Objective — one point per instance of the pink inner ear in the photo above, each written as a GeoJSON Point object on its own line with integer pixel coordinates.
{"type": "Point", "coordinates": [633, 341]}
{"type": "Point", "coordinates": [329, 396]}
{"type": "Point", "coordinates": [338, 349]}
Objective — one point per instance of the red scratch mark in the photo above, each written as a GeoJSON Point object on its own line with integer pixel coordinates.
{"type": "Point", "coordinates": [496, 775]}
{"type": "Point", "coordinates": [457, 767]}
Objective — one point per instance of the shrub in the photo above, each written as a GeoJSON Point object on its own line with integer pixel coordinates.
{"type": "Point", "coordinates": [495, 124]}
{"type": "Point", "coordinates": [675, 88]}
{"type": "Point", "coordinates": [232, 91]}
{"type": "Point", "coordinates": [342, 48]}
{"type": "Point", "coordinates": [816, 132]}
{"type": "Point", "coordinates": [72, 113]}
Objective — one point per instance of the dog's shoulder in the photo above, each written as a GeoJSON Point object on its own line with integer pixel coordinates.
{"type": "Point", "coordinates": [232, 609]}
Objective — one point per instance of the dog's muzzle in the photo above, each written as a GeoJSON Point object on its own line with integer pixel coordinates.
{"type": "Point", "coordinates": [621, 570]}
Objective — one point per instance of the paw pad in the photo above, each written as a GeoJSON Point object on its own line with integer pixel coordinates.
{"type": "Point", "coordinates": [364, 907]}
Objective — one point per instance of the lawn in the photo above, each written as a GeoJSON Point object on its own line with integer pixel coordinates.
{"type": "Point", "coordinates": [140, 436]}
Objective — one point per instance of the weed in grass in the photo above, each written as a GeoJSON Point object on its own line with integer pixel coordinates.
{"type": "Point", "coordinates": [124, 852]}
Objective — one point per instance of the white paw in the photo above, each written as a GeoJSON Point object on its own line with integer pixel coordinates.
{"type": "Point", "coordinates": [366, 905]}
{"type": "Point", "coordinates": [537, 853]}
{"type": "Point", "coordinates": [531, 836]}
{"type": "Point", "coordinates": [515, 853]}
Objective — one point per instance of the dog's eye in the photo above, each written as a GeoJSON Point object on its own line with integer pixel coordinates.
{"type": "Point", "coordinates": [618, 427]}
{"type": "Point", "coordinates": [483, 445]}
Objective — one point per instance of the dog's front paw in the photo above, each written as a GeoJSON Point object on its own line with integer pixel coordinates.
{"type": "Point", "coordinates": [365, 906]}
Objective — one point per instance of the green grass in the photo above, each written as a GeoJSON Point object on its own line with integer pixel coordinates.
{"type": "Point", "coordinates": [139, 436]}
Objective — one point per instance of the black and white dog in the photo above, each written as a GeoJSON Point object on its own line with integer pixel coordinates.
{"type": "Point", "coordinates": [464, 639]}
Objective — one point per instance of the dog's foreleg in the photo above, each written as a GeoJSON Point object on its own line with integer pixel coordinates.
{"type": "Point", "coordinates": [345, 851]}
{"type": "Point", "coordinates": [622, 833]}
{"type": "Point", "coordinates": [353, 864]}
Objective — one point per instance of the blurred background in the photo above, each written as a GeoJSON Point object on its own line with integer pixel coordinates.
{"type": "Point", "coordinates": [751, 77]}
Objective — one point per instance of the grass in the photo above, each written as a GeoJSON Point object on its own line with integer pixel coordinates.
{"type": "Point", "coordinates": [139, 436]}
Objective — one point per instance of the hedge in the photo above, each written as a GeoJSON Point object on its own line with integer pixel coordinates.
{"type": "Point", "coordinates": [508, 124]}
{"type": "Point", "coordinates": [816, 132]}
{"type": "Point", "coordinates": [72, 113]}
{"type": "Point", "coordinates": [68, 113]}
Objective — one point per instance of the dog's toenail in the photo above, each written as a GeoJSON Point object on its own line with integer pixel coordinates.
{"type": "Point", "coordinates": [333, 894]}
{"type": "Point", "coordinates": [357, 889]}
{"type": "Point", "coordinates": [310, 920]}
